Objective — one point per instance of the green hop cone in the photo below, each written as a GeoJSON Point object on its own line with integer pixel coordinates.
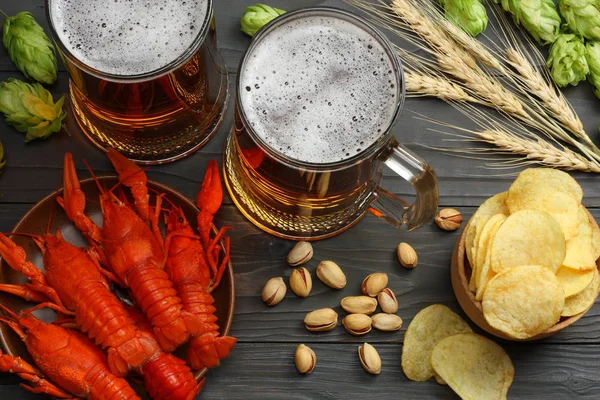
{"type": "Point", "coordinates": [30, 109]}
{"type": "Point", "coordinates": [469, 15]}
{"type": "Point", "coordinates": [255, 17]}
{"type": "Point", "coordinates": [582, 16]}
{"type": "Point", "coordinates": [593, 59]}
{"type": "Point", "coordinates": [538, 17]}
{"type": "Point", "coordinates": [567, 60]}
{"type": "Point", "coordinates": [29, 48]}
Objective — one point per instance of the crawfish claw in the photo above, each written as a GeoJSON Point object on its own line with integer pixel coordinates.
{"type": "Point", "coordinates": [132, 176]}
{"type": "Point", "coordinates": [210, 196]}
{"type": "Point", "coordinates": [73, 202]}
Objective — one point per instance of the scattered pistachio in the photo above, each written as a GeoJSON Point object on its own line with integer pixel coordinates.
{"type": "Point", "coordinates": [369, 359]}
{"type": "Point", "coordinates": [386, 322]}
{"type": "Point", "coordinates": [305, 359]}
{"type": "Point", "coordinates": [322, 320]}
{"type": "Point", "coordinates": [449, 219]}
{"type": "Point", "coordinates": [374, 283]}
{"type": "Point", "coordinates": [407, 256]}
{"type": "Point", "coordinates": [359, 305]}
{"type": "Point", "coordinates": [331, 274]}
{"type": "Point", "coordinates": [301, 282]}
{"type": "Point", "coordinates": [357, 324]}
{"type": "Point", "coordinates": [300, 254]}
{"type": "Point", "coordinates": [387, 301]}
{"type": "Point", "coordinates": [274, 291]}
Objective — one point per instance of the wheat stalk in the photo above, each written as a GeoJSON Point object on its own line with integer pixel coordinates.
{"type": "Point", "coordinates": [513, 138]}
{"type": "Point", "coordinates": [533, 82]}
{"type": "Point", "coordinates": [539, 83]}
{"type": "Point", "coordinates": [455, 61]}
{"type": "Point", "coordinates": [418, 84]}
{"type": "Point", "coordinates": [459, 63]}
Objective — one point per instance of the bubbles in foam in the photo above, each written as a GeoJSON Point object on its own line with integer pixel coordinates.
{"type": "Point", "coordinates": [128, 37]}
{"type": "Point", "coordinates": [319, 89]}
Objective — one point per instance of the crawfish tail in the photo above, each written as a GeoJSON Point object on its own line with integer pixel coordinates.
{"type": "Point", "coordinates": [98, 312]}
{"type": "Point", "coordinates": [168, 377]}
{"type": "Point", "coordinates": [101, 315]}
{"type": "Point", "coordinates": [106, 386]}
{"type": "Point", "coordinates": [165, 376]}
{"type": "Point", "coordinates": [207, 349]}
{"type": "Point", "coordinates": [154, 293]}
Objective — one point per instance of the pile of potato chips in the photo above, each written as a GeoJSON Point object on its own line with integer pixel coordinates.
{"type": "Point", "coordinates": [439, 343]}
{"type": "Point", "coordinates": [533, 253]}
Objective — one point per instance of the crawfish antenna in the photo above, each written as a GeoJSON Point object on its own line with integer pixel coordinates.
{"type": "Point", "coordinates": [100, 188]}
{"type": "Point", "coordinates": [52, 212]}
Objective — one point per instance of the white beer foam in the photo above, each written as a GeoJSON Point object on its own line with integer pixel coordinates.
{"type": "Point", "coordinates": [319, 89]}
{"type": "Point", "coordinates": [128, 37]}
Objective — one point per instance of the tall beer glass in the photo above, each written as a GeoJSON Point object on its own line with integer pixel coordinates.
{"type": "Point", "coordinates": [318, 93]}
{"type": "Point", "coordinates": [146, 77]}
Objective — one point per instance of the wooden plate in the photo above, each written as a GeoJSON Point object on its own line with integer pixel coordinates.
{"type": "Point", "coordinates": [36, 221]}
{"type": "Point", "coordinates": [461, 273]}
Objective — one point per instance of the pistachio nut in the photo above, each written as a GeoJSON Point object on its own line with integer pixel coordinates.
{"type": "Point", "coordinates": [387, 301]}
{"type": "Point", "coordinates": [359, 305]}
{"type": "Point", "coordinates": [407, 255]}
{"type": "Point", "coordinates": [274, 291]}
{"type": "Point", "coordinates": [331, 274]}
{"type": "Point", "coordinates": [369, 359]}
{"type": "Point", "coordinates": [305, 359]}
{"type": "Point", "coordinates": [449, 219]}
{"type": "Point", "coordinates": [374, 283]}
{"type": "Point", "coordinates": [300, 254]}
{"type": "Point", "coordinates": [322, 320]}
{"type": "Point", "coordinates": [386, 322]}
{"type": "Point", "coordinates": [301, 282]}
{"type": "Point", "coordinates": [357, 324]}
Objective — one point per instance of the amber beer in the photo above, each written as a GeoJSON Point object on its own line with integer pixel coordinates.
{"type": "Point", "coordinates": [146, 77]}
{"type": "Point", "coordinates": [318, 93]}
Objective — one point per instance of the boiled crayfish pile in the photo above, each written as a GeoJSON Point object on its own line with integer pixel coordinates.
{"type": "Point", "coordinates": [169, 278]}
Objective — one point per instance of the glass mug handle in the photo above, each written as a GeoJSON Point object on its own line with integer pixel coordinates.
{"type": "Point", "coordinates": [418, 173]}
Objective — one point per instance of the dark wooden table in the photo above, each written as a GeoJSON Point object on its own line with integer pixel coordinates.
{"type": "Point", "coordinates": [565, 366]}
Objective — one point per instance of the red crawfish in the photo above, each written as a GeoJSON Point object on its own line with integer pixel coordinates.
{"type": "Point", "coordinates": [195, 271]}
{"type": "Point", "coordinates": [69, 359]}
{"type": "Point", "coordinates": [132, 251]}
{"type": "Point", "coordinates": [74, 276]}
{"type": "Point", "coordinates": [166, 377]}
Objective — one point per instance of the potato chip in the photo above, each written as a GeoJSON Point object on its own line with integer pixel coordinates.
{"type": "Point", "coordinates": [544, 181]}
{"type": "Point", "coordinates": [487, 234]}
{"type": "Point", "coordinates": [547, 190]}
{"type": "Point", "coordinates": [581, 253]}
{"type": "Point", "coordinates": [595, 243]}
{"type": "Point", "coordinates": [474, 367]}
{"type": "Point", "coordinates": [428, 327]}
{"type": "Point", "coordinates": [574, 281]}
{"type": "Point", "coordinates": [492, 206]}
{"type": "Point", "coordinates": [528, 237]}
{"type": "Point", "coordinates": [523, 301]}
{"type": "Point", "coordinates": [485, 272]}
{"type": "Point", "coordinates": [583, 300]}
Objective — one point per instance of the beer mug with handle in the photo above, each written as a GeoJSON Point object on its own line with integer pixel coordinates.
{"type": "Point", "coordinates": [318, 94]}
{"type": "Point", "coordinates": [145, 79]}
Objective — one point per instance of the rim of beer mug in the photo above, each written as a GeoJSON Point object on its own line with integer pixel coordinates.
{"type": "Point", "coordinates": [172, 66]}
{"type": "Point", "coordinates": [361, 23]}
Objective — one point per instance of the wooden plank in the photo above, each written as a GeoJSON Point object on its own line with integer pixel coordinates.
{"type": "Point", "coordinates": [267, 371]}
{"type": "Point", "coordinates": [366, 248]}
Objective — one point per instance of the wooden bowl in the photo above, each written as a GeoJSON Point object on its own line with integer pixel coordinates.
{"type": "Point", "coordinates": [461, 274]}
{"type": "Point", "coordinates": [36, 221]}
